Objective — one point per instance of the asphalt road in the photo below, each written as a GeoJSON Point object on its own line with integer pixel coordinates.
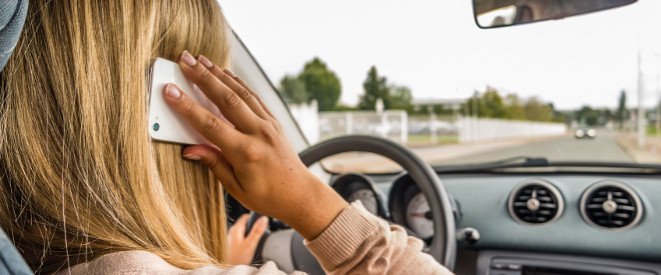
{"type": "Point", "coordinates": [603, 148]}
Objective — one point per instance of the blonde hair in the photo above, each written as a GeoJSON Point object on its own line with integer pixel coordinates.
{"type": "Point", "coordinates": [81, 176]}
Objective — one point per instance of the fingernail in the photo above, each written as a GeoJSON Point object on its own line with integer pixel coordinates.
{"type": "Point", "coordinates": [228, 72]}
{"type": "Point", "coordinates": [188, 59]}
{"type": "Point", "coordinates": [264, 221]}
{"type": "Point", "coordinates": [205, 61]}
{"type": "Point", "coordinates": [172, 91]}
{"type": "Point", "coordinates": [192, 156]}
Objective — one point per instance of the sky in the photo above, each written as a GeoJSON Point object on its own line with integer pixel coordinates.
{"type": "Point", "coordinates": [434, 48]}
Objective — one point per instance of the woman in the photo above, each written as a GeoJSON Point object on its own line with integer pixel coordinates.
{"type": "Point", "coordinates": [87, 191]}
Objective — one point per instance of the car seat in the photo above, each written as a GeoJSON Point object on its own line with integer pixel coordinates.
{"type": "Point", "coordinates": [12, 18]}
{"type": "Point", "coordinates": [11, 261]}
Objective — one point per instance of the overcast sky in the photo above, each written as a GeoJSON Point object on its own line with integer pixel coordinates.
{"type": "Point", "coordinates": [434, 48]}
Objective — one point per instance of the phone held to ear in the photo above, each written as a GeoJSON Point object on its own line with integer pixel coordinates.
{"type": "Point", "coordinates": [165, 124]}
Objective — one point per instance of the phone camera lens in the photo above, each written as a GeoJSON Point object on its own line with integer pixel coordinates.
{"type": "Point", "coordinates": [156, 126]}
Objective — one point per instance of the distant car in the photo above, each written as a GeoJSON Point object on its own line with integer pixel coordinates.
{"type": "Point", "coordinates": [585, 133]}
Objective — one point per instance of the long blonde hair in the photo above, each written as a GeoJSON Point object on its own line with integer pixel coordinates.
{"type": "Point", "coordinates": [81, 176]}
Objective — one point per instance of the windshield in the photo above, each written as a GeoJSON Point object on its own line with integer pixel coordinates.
{"type": "Point", "coordinates": [421, 73]}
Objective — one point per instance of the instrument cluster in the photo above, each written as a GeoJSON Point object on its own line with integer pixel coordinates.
{"type": "Point", "coordinates": [406, 204]}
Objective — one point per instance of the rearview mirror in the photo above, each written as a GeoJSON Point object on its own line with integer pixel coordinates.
{"type": "Point", "coordinates": [500, 13]}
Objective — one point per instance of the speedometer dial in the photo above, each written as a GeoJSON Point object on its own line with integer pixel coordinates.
{"type": "Point", "coordinates": [418, 216]}
{"type": "Point", "coordinates": [353, 187]}
{"type": "Point", "coordinates": [367, 197]}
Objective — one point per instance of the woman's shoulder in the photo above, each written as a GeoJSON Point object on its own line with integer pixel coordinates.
{"type": "Point", "coordinates": [132, 262]}
{"type": "Point", "coordinates": [143, 262]}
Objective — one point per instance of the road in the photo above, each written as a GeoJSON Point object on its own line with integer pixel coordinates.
{"type": "Point", "coordinates": [603, 148]}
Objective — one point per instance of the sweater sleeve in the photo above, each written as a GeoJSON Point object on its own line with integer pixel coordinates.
{"type": "Point", "coordinates": [357, 242]}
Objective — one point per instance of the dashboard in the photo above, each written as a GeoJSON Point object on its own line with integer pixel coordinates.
{"type": "Point", "coordinates": [583, 221]}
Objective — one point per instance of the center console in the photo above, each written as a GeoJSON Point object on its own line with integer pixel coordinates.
{"type": "Point", "coordinates": [517, 263]}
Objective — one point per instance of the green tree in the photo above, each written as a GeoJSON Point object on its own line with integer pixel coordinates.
{"type": "Point", "coordinates": [321, 84]}
{"type": "Point", "coordinates": [438, 109]}
{"type": "Point", "coordinates": [557, 116]}
{"type": "Point", "coordinates": [491, 105]}
{"type": "Point", "coordinates": [587, 116]}
{"type": "Point", "coordinates": [472, 106]}
{"type": "Point", "coordinates": [293, 90]}
{"type": "Point", "coordinates": [344, 108]}
{"type": "Point", "coordinates": [374, 87]}
{"type": "Point", "coordinates": [621, 114]}
{"type": "Point", "coordinates": [560, 118]}
{"type": "Point", "coordinates": [514, 107]}
{"type": "Point", "coordinates": [535, 110]}
{"type": "Point", "coordinates": [605, 115]}
{"type": "Point", "coordinates": [401, 98]}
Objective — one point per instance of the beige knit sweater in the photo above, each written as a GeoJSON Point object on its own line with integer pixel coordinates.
{"type": "Point", "coordinates": [356, 242]}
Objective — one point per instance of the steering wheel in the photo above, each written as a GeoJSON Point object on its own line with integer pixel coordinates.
{"type": "Point", "coordinates": [443, 244]}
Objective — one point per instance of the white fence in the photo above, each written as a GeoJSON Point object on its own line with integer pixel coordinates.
{"type": "Point", "coordinates": [392, 124]}
{"type": "Point", "coordinates": [397, 125]}
{"type": "Point", "coordinates": [476, 130]}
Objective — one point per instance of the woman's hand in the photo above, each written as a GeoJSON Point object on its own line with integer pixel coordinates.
{"type": "Point", "coordinates": [242, 248]}
{"type": "Point", "coordinates": [254, 161]}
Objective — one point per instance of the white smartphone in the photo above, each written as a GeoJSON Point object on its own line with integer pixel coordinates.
{"type": "Point", "coordinates": [165, 124]}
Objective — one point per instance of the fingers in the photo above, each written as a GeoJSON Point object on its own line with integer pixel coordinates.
{"type": "Point", "coordinates": [215, 160]}
{"type": "Point", "coordinates": [257, 232]}
{"type": "Point", "coordinates": [258, 229]}
{"type": "Point", "coordinates": [242, 83]}
{"type": "Point", "coordinates": [244, 92]}
{"type": "Point", "coordinates": [239, 227]}
{"type": "Point", "coordinates": [232, 106]}
{"type": "Point", "coordinates": [210, 126]}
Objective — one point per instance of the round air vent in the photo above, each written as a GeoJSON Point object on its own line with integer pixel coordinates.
{"type": "Point", "coordinates": [611, 205]}
{"type": "Point", "coordinates": [535, 202]}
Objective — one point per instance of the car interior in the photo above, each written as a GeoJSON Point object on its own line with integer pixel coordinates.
{"type": "Point", "coordinates": [491, 213]}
